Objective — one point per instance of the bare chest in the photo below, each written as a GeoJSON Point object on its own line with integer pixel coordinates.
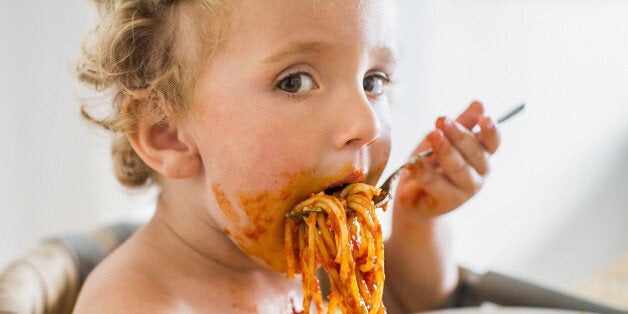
{"type": "Point", "coordinates": [246, 297]}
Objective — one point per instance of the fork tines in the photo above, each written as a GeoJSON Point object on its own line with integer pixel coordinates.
{"type": "Point", "coordinates": [304, 212]}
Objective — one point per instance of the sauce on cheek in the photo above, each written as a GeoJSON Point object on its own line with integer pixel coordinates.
{"type": "Point", "coordinates": [256, 207]}
{"type": "Point", "coordinates": [225, 205]}
{"type": "Point", "coordinates": [260, 216]}
{"type": "Point", "coordinates": [263, 233]}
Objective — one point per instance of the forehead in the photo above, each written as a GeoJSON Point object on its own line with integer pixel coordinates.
{"type": "Point", "coordinates": [332, 24]}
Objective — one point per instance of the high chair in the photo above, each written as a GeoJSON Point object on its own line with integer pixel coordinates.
{"type": "Point", "coordinates": [48, 278]}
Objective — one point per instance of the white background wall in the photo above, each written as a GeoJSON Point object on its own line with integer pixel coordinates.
{"type": "Point", "coordinates": [555, 208]}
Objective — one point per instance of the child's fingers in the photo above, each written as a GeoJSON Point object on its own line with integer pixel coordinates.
{"type": "Point", "coordinates": [471, 149]}
{"type": "Point", "coordinates": [489, 135]}
{"type": "Point", "coordinates": [421, 148]}
{"type": "Point", "coordinates": [469, 118]}
{"type": "Point", "coordinates": [453, 165]}
{"type": "Point", "coordinates": [427, 188]}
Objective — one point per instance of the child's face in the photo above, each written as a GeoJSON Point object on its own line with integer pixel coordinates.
{"type": "Point", "coordinates": [292, 103]}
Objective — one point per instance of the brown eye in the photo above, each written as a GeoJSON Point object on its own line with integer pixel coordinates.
{"type": "Point", "coordinates": [296, 83]}
{"type": "Point", "coordinates": [374, 84]}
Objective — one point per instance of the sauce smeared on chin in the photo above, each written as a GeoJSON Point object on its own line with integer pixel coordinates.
{"type": "Point", "coordinates": [259, 216]}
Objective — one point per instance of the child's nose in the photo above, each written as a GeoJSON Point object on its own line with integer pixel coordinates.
{"type": "Point", "coordinates": [357, 122]}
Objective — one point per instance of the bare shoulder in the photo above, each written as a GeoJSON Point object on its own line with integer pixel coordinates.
{"type": "Point", "coordinates": [150, 277]}
{"type": "Point", "coordinates": [121, 295]}
{"type": "Point", "coordinates": [121, 284]}
{"type": "Point", "coordinates": [140, 278]}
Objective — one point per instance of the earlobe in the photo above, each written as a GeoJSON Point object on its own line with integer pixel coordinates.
{"type": "Point", "coordinates": [165, 147]}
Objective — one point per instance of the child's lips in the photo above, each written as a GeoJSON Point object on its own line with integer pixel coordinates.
{"type": "Point", "coordinates": [352, 177]}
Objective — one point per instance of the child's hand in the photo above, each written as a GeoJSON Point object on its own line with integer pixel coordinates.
{"type": "Point", "coordinates": [456, 170]}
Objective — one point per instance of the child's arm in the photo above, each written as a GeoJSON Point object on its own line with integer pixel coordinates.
{"type": "Point", "coordinates": [420, 270]}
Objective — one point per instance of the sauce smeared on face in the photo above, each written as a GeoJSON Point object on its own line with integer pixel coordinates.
{"type": "Point", "coordinates": [225, 204]}
{"type": "Point", "coordinates": [258, 216]}
{"type": "Point", "coordinates": [256, 207]}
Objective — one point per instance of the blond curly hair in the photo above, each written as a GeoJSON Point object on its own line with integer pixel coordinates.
{"type": "Point", "coordinates": [150, 50]}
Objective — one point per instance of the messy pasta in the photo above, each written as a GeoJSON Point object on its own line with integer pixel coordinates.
{"type": "Point", "coordinates": [341, 233]}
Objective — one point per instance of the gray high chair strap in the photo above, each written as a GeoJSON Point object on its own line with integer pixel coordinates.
{"type": "Point", "coordinates": [90, 249]}
{"type": "Point", "coordinates": [48, 278]}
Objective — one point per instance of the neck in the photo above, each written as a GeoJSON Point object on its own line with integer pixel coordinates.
{"type": "Point", "coordinates": [188, 233]}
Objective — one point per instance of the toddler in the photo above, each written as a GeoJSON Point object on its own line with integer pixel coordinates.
{"type": "Point", "coordinates": [240, 109]}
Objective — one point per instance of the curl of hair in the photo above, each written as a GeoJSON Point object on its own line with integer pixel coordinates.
{"type": "Point", "coordinates": [149, 50]}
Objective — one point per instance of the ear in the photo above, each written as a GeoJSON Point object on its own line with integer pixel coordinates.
{"type": "Point", "coordinates": [166, 147]}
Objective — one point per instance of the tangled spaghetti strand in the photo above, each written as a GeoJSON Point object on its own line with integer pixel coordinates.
{"type": "Point", "coordinates": [342, 234]}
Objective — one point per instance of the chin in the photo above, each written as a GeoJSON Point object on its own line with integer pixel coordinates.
{"type": "Point", "coordinates": [274, 259]}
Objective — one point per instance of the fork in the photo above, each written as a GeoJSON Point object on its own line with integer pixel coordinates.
{"type": "Point", "coordinates": [384, 195]}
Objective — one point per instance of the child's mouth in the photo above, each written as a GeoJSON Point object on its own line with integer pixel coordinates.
{"type": "Point", "coordinates": [353, 177]}
{"type": "Point", "coordinates": [335, 189]}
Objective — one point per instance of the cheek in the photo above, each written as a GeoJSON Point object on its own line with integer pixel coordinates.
{"type": "Point", "coordinates": [256, 177]}
{"type": "Point", "coordinates": [259, 161]}
{"type": "Point", "coordinates": [252, 145]}
{"type": "Point", "coordinates": [255, 218]}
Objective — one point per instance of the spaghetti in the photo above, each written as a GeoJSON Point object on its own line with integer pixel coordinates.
{"type": "Point", "coordinates": [341, 233]}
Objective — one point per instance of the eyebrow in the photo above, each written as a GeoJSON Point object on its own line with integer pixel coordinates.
{"type": "Point", "coordinates": [386, 54]}
{"type": "Point", "coordinates": [298, 48]}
